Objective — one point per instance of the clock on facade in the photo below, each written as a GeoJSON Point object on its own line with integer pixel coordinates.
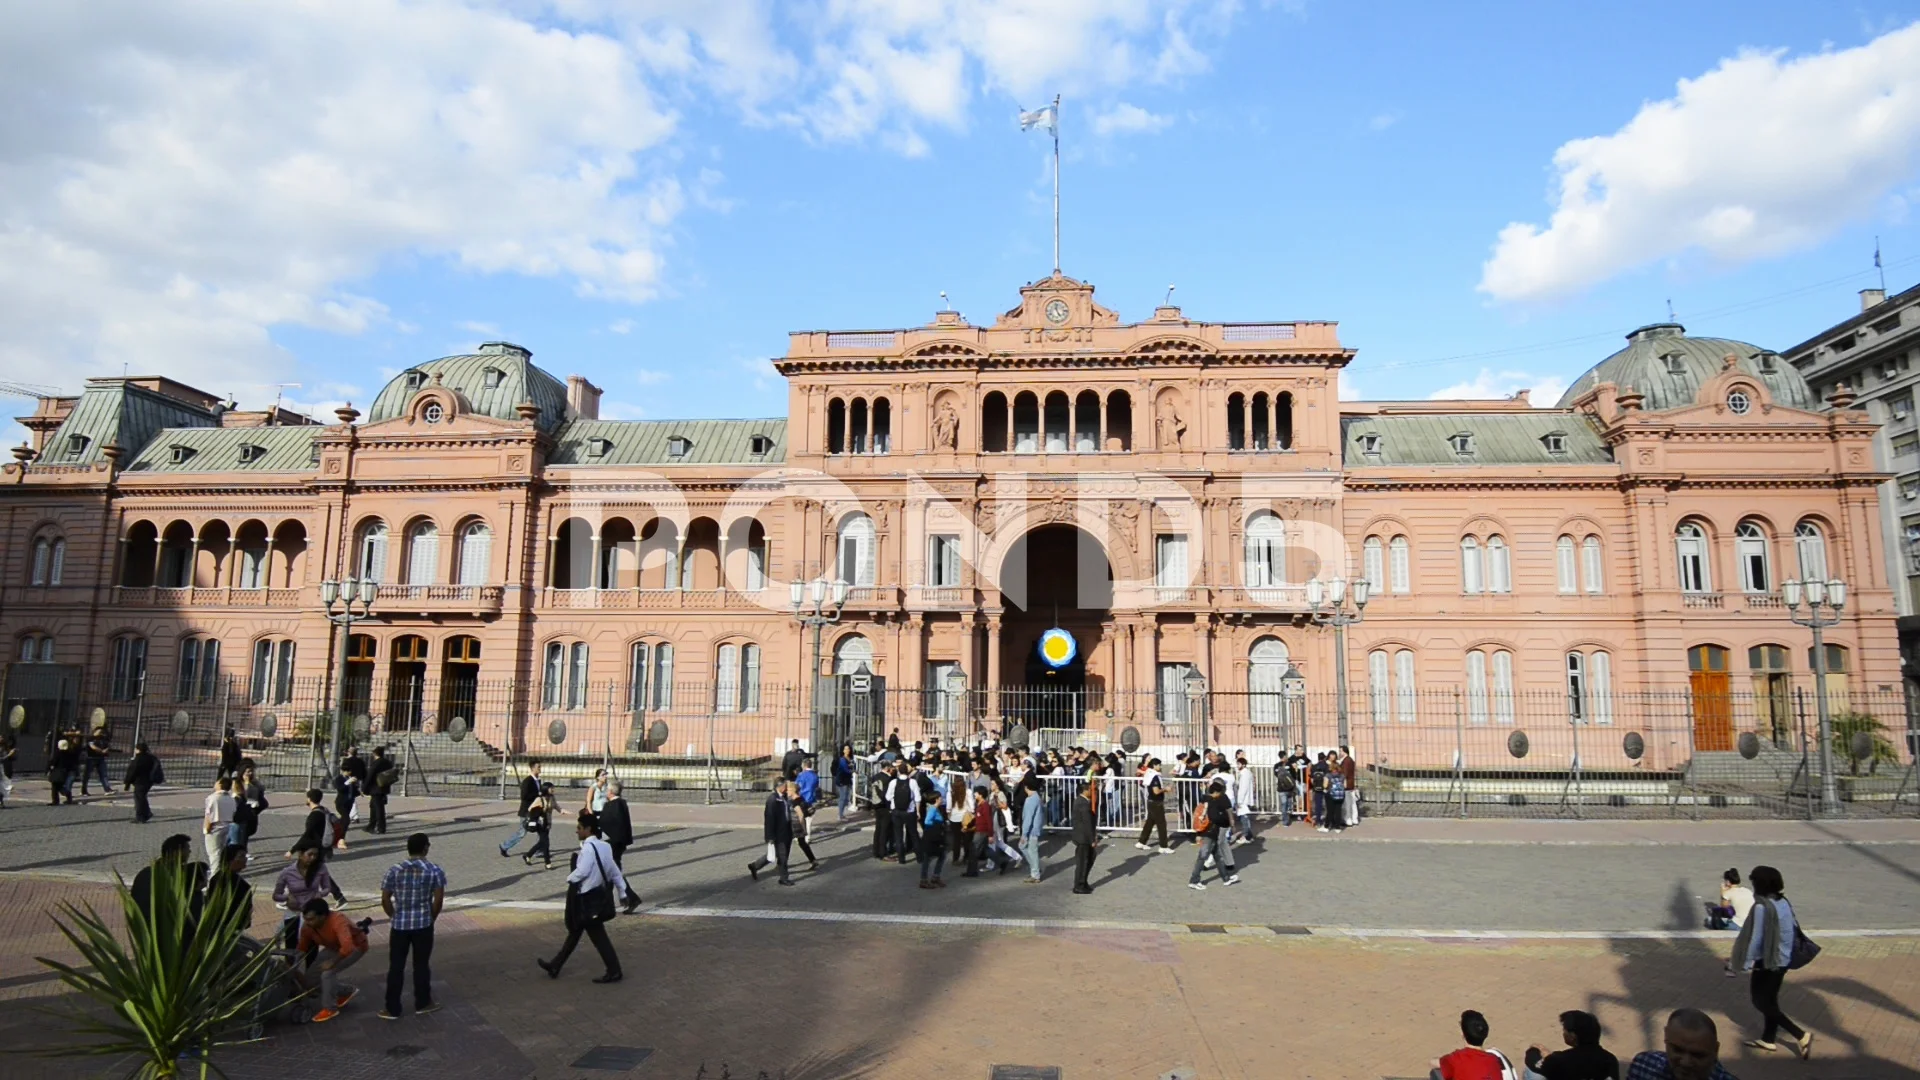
{"type": "Point", "coordinates": [1057, 311]}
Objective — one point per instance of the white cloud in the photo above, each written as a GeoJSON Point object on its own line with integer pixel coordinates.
{"type": "Point", "coordinates": [177, 182]}
{"type": "Point", "coordinates": [1383, 121]}
{"type": "Point", "coordinates": [621, 326]}
{"type": "Point", "coordinates": [1546, 389]}
{"type": "Point", "coordinates": [1759, 156]}
{"type": "Point", "coordinates": [1125, 119]}
{"type": "Point", "coordinates": [479, 327]}
{"type": "Point", "coordinates": [650, 377]}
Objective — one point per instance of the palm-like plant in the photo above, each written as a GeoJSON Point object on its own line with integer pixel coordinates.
{"type": "Point", "coordinates": [180, 985]}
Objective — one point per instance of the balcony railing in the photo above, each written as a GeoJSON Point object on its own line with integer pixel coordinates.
{"type": "Point", "coordinates": [438, 599]}
{"type": "Point", "coordinates": [158, 597]}
{"type": "Point", "coordinates": [1764, 600]}
{"type": "Point", "coordinates": [940, 598]}
{"type": "Point", "coordinates": [656, 599]}
{"type": "Point", "coordinates": [1704, 600]}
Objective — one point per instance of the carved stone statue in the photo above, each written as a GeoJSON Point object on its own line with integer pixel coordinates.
{"type": "Point", "coordinates": [946, 427]}
{"type": "Point", "coordinates": [1172, 430]}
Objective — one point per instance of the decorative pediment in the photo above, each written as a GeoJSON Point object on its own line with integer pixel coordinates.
{"type": "Point", "coordinates": [1056, 303]}
{"type": "Point", "coordinates": [1172, 345]}
{"type": "Point", "coordinates": [945, 349]}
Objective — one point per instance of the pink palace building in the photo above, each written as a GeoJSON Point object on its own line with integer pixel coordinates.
{"type": "Point", "coordinates": [1173, 495]}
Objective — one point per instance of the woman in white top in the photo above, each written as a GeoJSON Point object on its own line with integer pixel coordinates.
{"type": "Point", "coordinates": [1243, 797]}
{"type": "Point", "coordinates": [1736, 896]}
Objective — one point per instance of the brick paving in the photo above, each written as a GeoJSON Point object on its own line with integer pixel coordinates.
{"type": "Point", "coordinates": [1170, 983]}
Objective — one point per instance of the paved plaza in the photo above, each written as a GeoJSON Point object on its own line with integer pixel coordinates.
{"type": "Point", "coordinates": [1338, 956]}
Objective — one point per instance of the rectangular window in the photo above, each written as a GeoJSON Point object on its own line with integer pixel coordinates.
{"type": "Point", "coordinates": [1600, 687]}
{"type": "Point", "coordinates": [1470, 566]}
{"type": "Point", "coordinates": [1564, 565]}
{"type": "Point", "coordinates": [943, 561]}
{"type": "Point", "coordinates": [935, 702]}
{"type": "Point", "coordinates": [253, 568]}
{"type": "Point", "coordinates": [662, 677]}
{"type": "Point", "coordinates": [1906, 446]}
{"type": "Point", "coordinates": [726, 683]}
{"type": "Point", "coordinates": [1170, 561]}
{"type": "Point", "coordinates": [129, 667]}
{"type": "Point", "coordinates": [59, 562]}
{"type": "Point", "coordinates": [1594, 568]}
{"type": "Point", "coordinates": [1503, 687]}
{"type": "Point", "coordinates": [1402, 564]}
{"type": "Point", "coordinates": [1576, 686]}
{"type": "Point", "coordinates": [553, 676]}
{"type": "Point", "coordinates": [1373, 564]}
{"type": "Point", "coordinates": [756, 566]}
{"type": "Point", "coordinates": [187, 676]}
{"type": "Point", "coordinates": [1406, 692]}
{"type": "Point", "coordinates": [1499, 566]}
{"type": "Point", "coordinates": [750, 678]}
{"type": "Point", "coordinates": [577, 676]}
{"type": "Point", "coordinates": [1173, 694]}
{"type": "Point", "coordinates": [1379, 687]}
{"type": "Point", "coordinates": [638, 660]}
{"type": "Point", "coordinates": [271, 681]}
{"type": "Point", "coordinates": [1477, 687]}
{"type": "Point", "coordinates": [42, 555]}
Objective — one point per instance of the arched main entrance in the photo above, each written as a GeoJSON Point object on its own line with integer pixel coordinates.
{"type": "Point", "coordinates": [1054, 577]}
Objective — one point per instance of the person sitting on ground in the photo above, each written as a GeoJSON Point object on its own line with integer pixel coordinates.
{"type": "Point", "coordinates": [1736, 901]}
{"type": "Point", "coordinates": [1476, 1060]}
{"type": "Point", "coordinates": [1583, 1059]}
{"type": "Point", "coordinates": [332, 943]}
{"type": "Point", "coordinates": [1692, 1051]}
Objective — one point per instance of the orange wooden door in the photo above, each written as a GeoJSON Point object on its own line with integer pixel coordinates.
{"type": "Point", "coordinates": [1712, 698]}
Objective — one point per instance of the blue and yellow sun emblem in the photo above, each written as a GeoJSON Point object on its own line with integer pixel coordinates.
{"type": "Point", "coordinates": [1057, 648]}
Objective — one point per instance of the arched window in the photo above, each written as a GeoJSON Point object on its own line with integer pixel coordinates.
{"type": "Point", "coordinates": [1600, 687]}
{"type": "Point", "coordinates": [272, 682]}
{"type": "Point", "coordinates": [1576, 687]}
{"type": "Point", "coordinates": [852, 652]}
{"type": "Point", "coordinates": [1406, 692]}
{"type": "Point", "coordinates": [1086, 422]}
{"type": "Point", "coordinates": [372, 551]}
{"type": "Point", "coordinates": [993, 423]}
{"type": "Point", "coordinates": [1056, 418]}
{"type": "Point", "coordinates": [1236, 421]}
{"type": "Point", "coordinates": [1594, 569]}
{"type": "Point", "coordinates": [1499, 566]}
{"type": "Point", "coordinates": [1811, 546]}
{"type": "Point", "coordinates": [736, 682]}
{"type": "Point", "coordinates": [882, 439]}
{"type": "Point", "coordinates": [1470, 568]}
{"type": "Point", "coordinates": [1265, 565]}
{"type": "Point", "coordinates": [423, 553]}
{"type": "Point", "coordinates": [1690, 542]}
{"type": "Point", "coordinates": [1283, 421]}
{"type": "Point", "coordinates": [476, 553]}
{"type": "Point", "coordinates": [1379, 684]}
{"type": "Point", "coordinates": [49, 560]}
{"type": "Point", "coordinates": [199, 669]}
{"type": "Point", "coordinates": [1266, 670]}
{"type": "Point", "coordinates": [1026, 423]}
{"type": "Point", "coordinates": [1750, 543]}
{"type": "Point", "coordinates": [36, 649]}
{"type": "Point", "coordinates": [1476, 687]}
{"type": "Point", "coordinates": [1119, 420]}
{"type": "Point", "coordinates": [856, 549]}
{"type": "Point", "coordinates": [1400, 563]}
{"type": "Point", "coordinates": [1565, 565]}
{"type": "Point", "coordinates": [857, 426]}
{"type": "Point", "coordinates": [1261, 421]}
{"type": "Point", "coordinates": [836, 426]}
{"type": "Point", "coordinates": [1373, 564]}
{"type": "Point", "coordinates": [1503, 687]}
{"type": "Point", "coordinates": [564, 682]}
{"type": "Point", "coordinates": [650, 676]}
{"type": "Point", "coordinates": [1836, 673]}
{"type": "Point", "coordinates": [129, 670]}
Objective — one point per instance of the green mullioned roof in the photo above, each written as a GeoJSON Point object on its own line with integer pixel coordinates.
{"type": "Point", "coordinates": [1675, 383]}
{"type": "Point", "coordinates": [1499, 439]}
{"type": "Point", "coordinates": [644, 442]}
{"type": "Point", "coordinates": [111, 411]}
{"type": "Point", "coordinates": [215, 450]}
{"type": "Point", "coordinates": [519, 381]}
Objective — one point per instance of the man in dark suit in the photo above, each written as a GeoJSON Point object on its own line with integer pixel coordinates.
{"type": "Point", "coordinates": [139, 780]}
{"type": "Point", "coordinates": [790, 761]}
{"type": "Point", "coordinates": [778, 833]}
{"type": "Point", "coordinates": [380, 778]}
{"type": "Point", "coordinates": [529, 791]}
{"type": "Point", "coordinates": [616, 827]}
{"type": "Point", "coordinates": [1085, 839]}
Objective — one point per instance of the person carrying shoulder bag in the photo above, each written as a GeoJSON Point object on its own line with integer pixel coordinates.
{"type": "Point", "coordinates": [1770, 944]}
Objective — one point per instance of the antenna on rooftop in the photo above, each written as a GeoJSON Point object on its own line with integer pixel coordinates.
{"type": "Point", "coordinates": [1877, 266]}
{"type": "Point", "coordinates": [279, 390]}
{"type": "Point", "coordinates": [1670, 315]}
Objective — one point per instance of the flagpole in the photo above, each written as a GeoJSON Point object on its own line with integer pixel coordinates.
{"type": "Point", "coordinates": [1056, 184]}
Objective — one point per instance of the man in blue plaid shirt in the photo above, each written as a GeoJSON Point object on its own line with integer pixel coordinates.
{"type": "Point", "coordinates": [411, 894]}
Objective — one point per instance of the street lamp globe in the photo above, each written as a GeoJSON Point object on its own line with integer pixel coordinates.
{"type": "Point", "coordinates": [796, 594]}
{"type": "Point", "coordinates": [1790, 592]}
{"type": "Point", "coordinates": [1816, 592]}
{"type": "Point", "coordinates": [368, 587]}
{"type": "Point", "coordinates": [840, 591]}
{"type": "Point", "coordinates": [1316, 592]}
{"type": "Point", "coordinates": [1361, 588]}
{"type": "Point", "coordinates": [1292, 683]}
{"type": "Point", "coordinates": [956, 682]}
{"type": "Point", "coordinates": [1337, 591]}
{"type": "Point", "coordinates": [329, 592]}
{"type": "Point", "coordinates": [1837, 593]}
{"type": "Point", "coordinates": [1196, 684]}
{"type": "Point", "coordinates": [817, 591]}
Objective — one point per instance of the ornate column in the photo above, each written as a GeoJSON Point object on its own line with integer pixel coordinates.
{"type": "Point", "coordinates": [912, 655]}
{"type": "Point", "coordinates": [993, 665]}
{"type": "Point", "coordinates": [266, 566]}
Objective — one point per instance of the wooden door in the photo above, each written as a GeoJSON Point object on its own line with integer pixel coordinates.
{"type": "Point", "coordinates": [1712, 698]}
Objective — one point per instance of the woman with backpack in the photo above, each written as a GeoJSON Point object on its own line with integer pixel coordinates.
{"type": "Point", "coordinates": [1770, 943]}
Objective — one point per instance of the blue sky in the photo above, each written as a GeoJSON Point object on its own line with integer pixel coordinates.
{"type": "Point", "coordinates": [654, 193]}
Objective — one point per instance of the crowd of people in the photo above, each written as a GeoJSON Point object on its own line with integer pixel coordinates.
{"type": "Point", "coordinates": [1690, 1050]}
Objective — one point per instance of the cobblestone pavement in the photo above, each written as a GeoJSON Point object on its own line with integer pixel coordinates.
{"type": "Point", "coordinates": [1337, 957]}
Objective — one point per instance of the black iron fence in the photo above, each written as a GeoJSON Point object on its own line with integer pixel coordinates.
{"type": "Point", "coordinates": [1420, 750]}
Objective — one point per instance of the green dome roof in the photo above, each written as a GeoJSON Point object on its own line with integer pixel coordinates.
{"type": "Point", "coordinates": [1666, 365]}
{"type": "Point", "coordinates": [493, 381]}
